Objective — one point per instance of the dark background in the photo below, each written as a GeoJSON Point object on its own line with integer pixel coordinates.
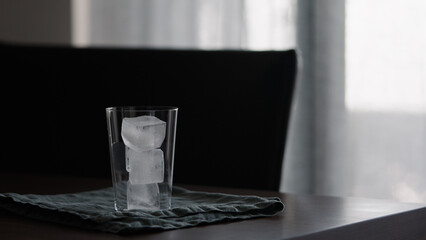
{"type": "Point", "coordinates": [232, 120]}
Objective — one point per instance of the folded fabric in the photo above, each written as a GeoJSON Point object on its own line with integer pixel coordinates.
{"type": "Point", "coordinates": [94, 210]}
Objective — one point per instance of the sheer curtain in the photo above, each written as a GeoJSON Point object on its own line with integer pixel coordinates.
{"type": "Point", "coordinates": [358, 128]}
{"type": "Point", "coordinates": [204, 24]}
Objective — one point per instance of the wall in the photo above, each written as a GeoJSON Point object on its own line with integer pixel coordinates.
{"type": "Point", "coordinates": [41, 21]}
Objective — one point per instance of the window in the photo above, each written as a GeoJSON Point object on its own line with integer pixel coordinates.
{"type": "Point", "coordinates": [385, 97]}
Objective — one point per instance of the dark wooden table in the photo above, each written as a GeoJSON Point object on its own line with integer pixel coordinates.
{"type": "Point", "coordinates": [305, 217]}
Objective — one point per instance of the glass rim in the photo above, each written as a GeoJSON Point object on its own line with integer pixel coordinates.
{"type": "Point", "coordinates": [141, 108]}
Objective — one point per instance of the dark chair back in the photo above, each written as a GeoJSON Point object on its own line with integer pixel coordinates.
{"type": "Point", "coordinates": [233, 109]}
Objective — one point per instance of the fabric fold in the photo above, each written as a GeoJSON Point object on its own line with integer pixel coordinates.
{"type": "Point", "coordinates": [94, 210]}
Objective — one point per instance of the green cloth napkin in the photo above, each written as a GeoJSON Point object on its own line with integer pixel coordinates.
{"type": "Point", "coordinates": [94, 210]}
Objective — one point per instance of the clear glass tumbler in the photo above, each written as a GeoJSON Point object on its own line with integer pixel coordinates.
{"type": "Point", "coordinates": [142, 143]}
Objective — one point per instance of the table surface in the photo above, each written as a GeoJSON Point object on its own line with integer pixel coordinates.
{"type": "Point", "coordinates": [305, 216]}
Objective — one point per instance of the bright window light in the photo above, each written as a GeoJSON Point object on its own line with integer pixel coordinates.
{"type": "Point", "coordinates": [386, 55]}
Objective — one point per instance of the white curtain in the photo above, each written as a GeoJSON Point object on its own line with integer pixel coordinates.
{"type": "Point", "coordinates": [205, 24]}
{"type": "Point", "coordinates": [359, 127]}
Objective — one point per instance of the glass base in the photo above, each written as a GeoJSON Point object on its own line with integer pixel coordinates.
{"type": "Point", "coordinates": [148, 197]}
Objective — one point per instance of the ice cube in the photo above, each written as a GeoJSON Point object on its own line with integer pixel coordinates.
{"type": "Point", "coordinates": [146, 166]}
{"type": "Point", "coordinates": [143, 132]}
{"type": "Point", "coordinates": [143, 196]}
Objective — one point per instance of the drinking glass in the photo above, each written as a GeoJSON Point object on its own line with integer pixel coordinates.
{"type": "Point", "coordinates": [142, 144]}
